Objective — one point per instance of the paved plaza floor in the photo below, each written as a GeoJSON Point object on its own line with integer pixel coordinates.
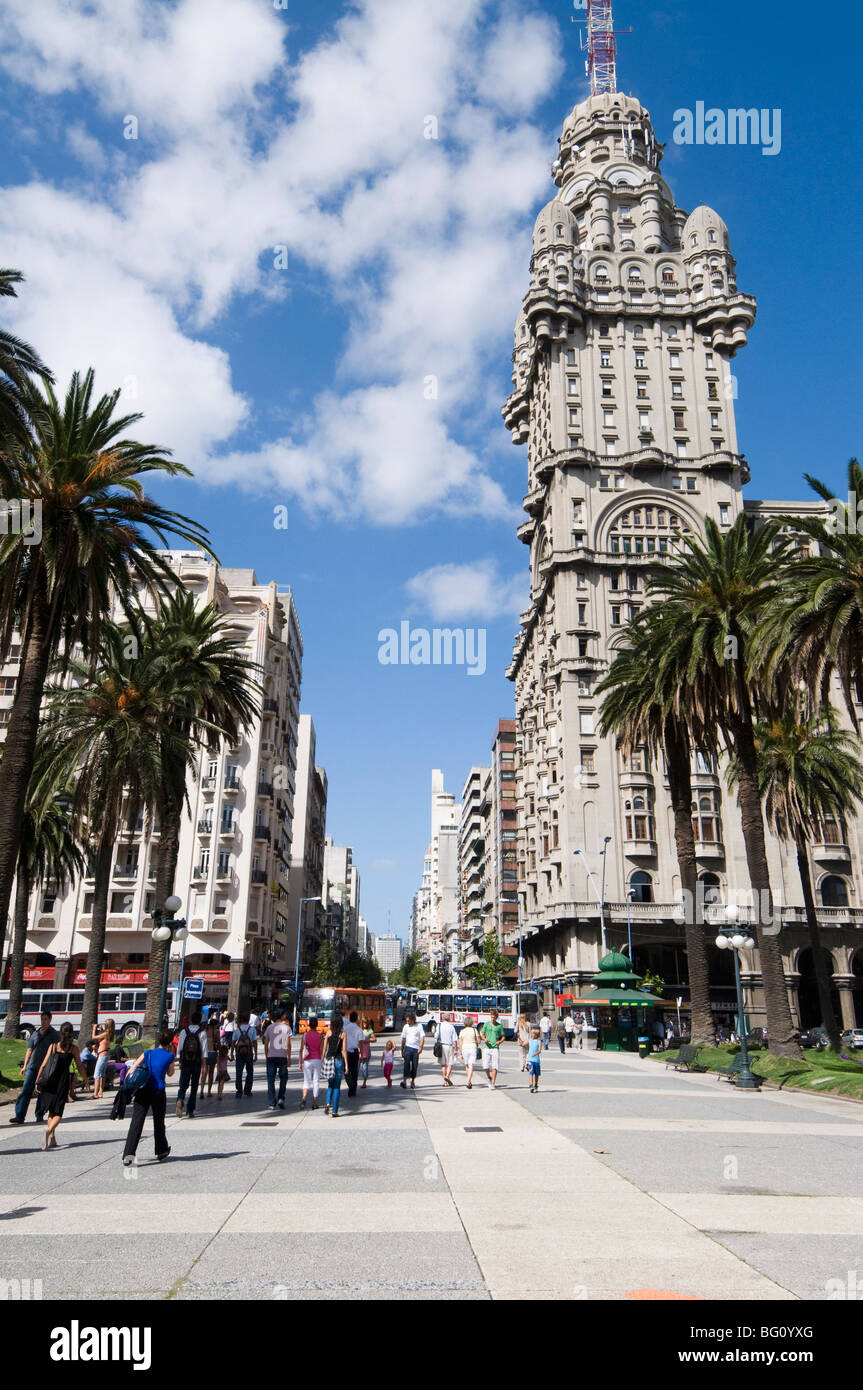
{"type": "Point", "coordinates": [620, 1179]}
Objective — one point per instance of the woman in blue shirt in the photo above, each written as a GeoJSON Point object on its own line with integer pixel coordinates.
{"type": "Point", "coordinates": [159, 1062]}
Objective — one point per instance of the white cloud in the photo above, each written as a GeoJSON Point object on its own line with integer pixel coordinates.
{"type": "Point", "coordinates": [452, 593]}
{"type": "Point", "coordinates": [421, 242]}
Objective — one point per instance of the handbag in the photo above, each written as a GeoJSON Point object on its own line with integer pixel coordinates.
{"type": "Point", "coordinates": [136, 1080]}
{"type": "Point", "coordinates": [328, 1068]}
{"type": "Point", "coordinates": [50, 1076]}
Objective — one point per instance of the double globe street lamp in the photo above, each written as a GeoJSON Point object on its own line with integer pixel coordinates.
{"type": "Point", "coordinates": [730, 938]}
{"type": "Point", "coordinates": [168, 928]}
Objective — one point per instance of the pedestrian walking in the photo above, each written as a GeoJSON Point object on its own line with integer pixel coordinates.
{"type": "Point", "coordinates": [212, 1043]}
{"type": "Point", "coordinates": [104, 1040]}
{"type": "Point", "coordinates": [545, 1030]}
{"type": "Point", "coordinates": [277, 1050]}
{"type": "Point", "coordinates": [534, 1066]}
{"type": "Point", "coordinates": [522, 1037]}
{"type": "Point", "coordinates": [579, 1031]}
{"type": "Point", "coordinates": [159, 1062]}
{"type": "Point", "coordinates": [659, 1034]}
{"type": "Point", "coordinates": [570, 1030]}
{"type": "Point", "coordinates": [190, 1054]}
{"type": "Point", "coordinates": [492, 1037]}
{"type": "Point", "coordinates": [353, 1037]}
{"type": "Point", "coordinates": [222, 1069]}
{"type": "Point", "coordinates": [335, 1064]}
{"type": "Point", "coordinates": [413, 1042]}
{"type": "Point", "coordinates": [446, 1038]}
{"type": "Point", "coordinates": [368, 1038]}
{"type": "Point", "coordinates": [53, 1079]}
{"type": "Point", "coordinates": [244, 1049]}
{"type": "Point", "coordinates": [311, 1055]}
{"type": "Point", "coordinates": [226, 1028]}
{"type": "Point", "coordinates": [468, 1046]}
{"type": "Point", "coordinates": [388, 1057]}
{"type": "Point", "coordinates": [561, 1035]}
{"type": "Point", "coordinates": [38, 1045]}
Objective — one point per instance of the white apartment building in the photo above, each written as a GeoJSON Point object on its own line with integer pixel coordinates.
{"type": "Point", "coordinates": [437, 913]}
{"type": "Point", "coordinates": [624, 394]}
{"type": "Point", "coordinates": [235, 839]}
{"type": "Point", "coordinates": [306, 876]}
{"type": "Point", "coordinates": [342, 894]}
{"type": "Point", "coordinates": [389, 952]}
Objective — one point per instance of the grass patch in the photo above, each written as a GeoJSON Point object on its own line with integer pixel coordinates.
{"type": "Point", "coordinates": [821, 1071]}
{"type": "Point", "coordinates": [11, 1056]}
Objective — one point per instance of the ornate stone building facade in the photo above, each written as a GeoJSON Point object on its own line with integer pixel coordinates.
{"type": "Point", "coordinates": [624, 394]}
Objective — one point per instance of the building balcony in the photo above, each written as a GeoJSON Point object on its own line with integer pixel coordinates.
{"type": "Point", "coordinates": [205, 828]}
{"type": "Point", "coordinates": [126, 871]}
{"type": "Point", "coordinates": [831, 854]}
{"type": "Point", "coordinates": [208, 784]}
{"type": "Point", "coordinates": [220, 924]}
{"type": "Point", "coordinates": [709, 849]}
{"type": "Point", "coordinates": [262, 832]}
{"type": "Point", "coordinates": [258, 878]}
{"type": "Point", "coordinates": [640, 849]}
{"type": "Point", "coordinates": [228, 829]}
{"type": "Point", "coordinates": [45, 923]}
{"type": "Point", "coordinates": [225, 874]}
{"type": "Point", "coordinates": [232, 784]}
{"type": "Point", "coordinates": [200, 872]}
{"type": "Point", "coordinates": [271, 706]}
{"type": "Point", "coordinates": [265, 789]}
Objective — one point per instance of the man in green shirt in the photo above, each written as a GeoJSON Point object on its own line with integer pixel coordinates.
{"type": "Point", "coordinates": [492, 1037]}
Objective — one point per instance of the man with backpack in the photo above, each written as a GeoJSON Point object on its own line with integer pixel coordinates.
{"type": "Point", "coordinates": [244, 1050]}
{"type": "Point", "coordinates": [190, 1055]}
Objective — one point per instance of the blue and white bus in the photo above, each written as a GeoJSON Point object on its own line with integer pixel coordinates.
{"type": "Point", "coordinates": [475, 1006]}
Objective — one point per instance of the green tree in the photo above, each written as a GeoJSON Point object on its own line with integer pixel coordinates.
{"type": "Point", "coordinates": [106, 731]}
{"type": "Point", "coordinates": [325, 970]}
{"type": "Point", "coordinates": [489, 971]}
{"type": "Point", "coordinates": [48, 851]}
{"type": "Point", "coordinates": [99, 541]}
{"type": "Point", "coordinates": [809, 771]}
{"type": "Point", "coordinates": [715, 593]}
{"type": "Point", "coordinates": [440, 978]}
{"type": "Point", "coordinates": [641, 706]}
{"type": "Point", "coordinates": [18, 364]}
{"type": "Point", "coordinates": [207, 692]}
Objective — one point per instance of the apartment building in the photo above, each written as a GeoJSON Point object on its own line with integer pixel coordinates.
{"type": "Point", "coordinates": [306, 875]}
{"type": "Point", "coordinates": [342, 896]}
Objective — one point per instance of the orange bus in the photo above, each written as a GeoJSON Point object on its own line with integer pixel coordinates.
{"type": "Point", "coordinates": [323, 1003]}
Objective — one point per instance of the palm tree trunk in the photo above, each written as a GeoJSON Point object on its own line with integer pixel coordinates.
{"type": "Point", "coordinates": [677, 755]}
{"type": "Point", "coordinates": [96, 954]}
{"type": "Point", "coordinates": [166, 872]}
{"type": "Point", "coordinates": [19, 943]}
{"type": "Point", "coordinates": [828, 1017]}
{"type": "Point", "coordinates": [781, 1033]}
{"type": "Point", "coordinates": [18, 751]}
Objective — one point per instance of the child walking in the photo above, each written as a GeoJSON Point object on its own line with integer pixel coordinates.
{"type": "Point", "coordinates": [388, 1059]}
{"type": "Point", "coordinates": [534, 1048]}
{"type": "Point", "coordinates": [222, 1068]}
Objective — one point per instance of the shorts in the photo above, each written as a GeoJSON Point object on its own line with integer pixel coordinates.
{"type": "Point", "coordinates": [468, 1056]}
{"type": "Point", "coordinates": [491, 1058]}
{"type": "Point", "coordinates": [212, 1058]}
{"type": "Point", "coordinates": [446, 1055]}
{"type": "Point", "coordinates": [101, 1066]}
{"type": "Point", "coordinates": [533, 1067]}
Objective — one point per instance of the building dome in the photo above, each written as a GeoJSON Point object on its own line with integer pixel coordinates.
{"type": "Point", "coordinates": [555, 226]}
{"type": "Point", "coordinates": [696, 235]}
{"type": "Point", "coordinates": [607, 105]}
{"type": "Point", "coordinates": [615, 961]}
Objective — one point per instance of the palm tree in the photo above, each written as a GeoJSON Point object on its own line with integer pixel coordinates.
{"type": "Point", "coordinates": [48, 851]}
{"type": "Point", "coordinates": [809, 770]}
{"type": "Point", "coordinates": [815, 626]}
{"type": "Point", "coordinates": [95, 548]}
{"type": "Point", "coordinates": [18, 362]}
{"type": "Point", "coordinates": [108, 730]}
{"type": "Point", "coordinates": [208, 690]}
{"type": "Point", "coordinates": [641, 707]}
{"type": "Point", "coordinates": [714, 592]}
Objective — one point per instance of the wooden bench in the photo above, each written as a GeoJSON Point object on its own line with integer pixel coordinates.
{"type": "Point", "coordinates": [732, 1072]}
{"type": "Point", "coordinates": [686, 1060]}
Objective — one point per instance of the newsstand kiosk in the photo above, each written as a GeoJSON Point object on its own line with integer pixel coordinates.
{"type": "Point", "coordinates": [624, 1012]}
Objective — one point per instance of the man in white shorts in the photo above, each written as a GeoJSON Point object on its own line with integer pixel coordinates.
{"type": "Point", "coordinates": [447, 1037]}
{"type": "Point", "coordinates": [492, 1037]}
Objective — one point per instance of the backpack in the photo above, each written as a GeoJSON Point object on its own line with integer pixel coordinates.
{"type": "Point", "coordinates": [243, 1045]}
{"type": "Point", "coordinates": [191, 1052]}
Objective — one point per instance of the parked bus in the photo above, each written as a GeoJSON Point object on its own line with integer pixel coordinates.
{"type": "Point", "coordinates": [323, 1003]}
{"type": "Point", "coordinates": [125, 1006]}
{"type": "Point", "coordinates": [463, 1006]}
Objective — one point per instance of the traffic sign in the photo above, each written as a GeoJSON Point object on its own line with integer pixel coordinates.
{"type": "Point", "coordinates": [193, 989]}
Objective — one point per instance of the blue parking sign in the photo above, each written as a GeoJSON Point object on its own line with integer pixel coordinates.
{"type": "Point", "coordinates": [193, 989]}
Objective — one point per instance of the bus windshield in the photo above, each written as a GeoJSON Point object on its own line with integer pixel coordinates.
{"type": "Point", "coordinates": [319, 1003]}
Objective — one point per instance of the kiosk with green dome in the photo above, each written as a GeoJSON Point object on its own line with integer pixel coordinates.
{"type": "Point", "coordinates": [624, 1012]}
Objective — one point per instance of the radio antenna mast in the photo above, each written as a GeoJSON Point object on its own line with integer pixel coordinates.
{"type": "Point", "coordinates": [601, 65]}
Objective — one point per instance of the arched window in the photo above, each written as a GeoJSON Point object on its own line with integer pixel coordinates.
{"type": "Point", "coordinates": [638, 330]}
{"type": "Point", "coordinates": [641, 887]}
{"type": "Point", "coordinates": [634, 273]}
{"type": "Point", "coordinates": [834, 891]}
{"type": "Point", "coordinates": [712, 888]}
{"type": "Point", "coordinates": [558, 231]}
{"type": "Point", "coordinates": [705, 818]}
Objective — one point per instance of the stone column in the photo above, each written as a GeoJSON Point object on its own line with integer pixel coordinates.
{"type": "Point", "coordinates": [61, 972]}
{"type": "Point", "coordinates": [845, 986]}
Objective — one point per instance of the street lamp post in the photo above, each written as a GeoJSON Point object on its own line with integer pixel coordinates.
{"type": "Point", "coordinates": [168, 928]}
{"type": "Point", "coordinates": [730, 939]}
{"type": "Point", "coordinates": [303, 902]}
{"type": "Point", "coordinates": [630, 897]}
{"type": "Point", "coordinates": [600, 893]}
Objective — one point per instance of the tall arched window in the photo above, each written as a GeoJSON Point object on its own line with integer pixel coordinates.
{"type": "Point", "coordinates": [641, 887]}
{"type": "Point", "coordinates": [712, 888]}
{"type": "Point", "coordinates": [834, 891]}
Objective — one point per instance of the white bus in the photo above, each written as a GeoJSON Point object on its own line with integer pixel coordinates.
{"type": "Point", "coordinates": [463, 1006]}
{"type": "Point", "coordinates": [125, 1005]}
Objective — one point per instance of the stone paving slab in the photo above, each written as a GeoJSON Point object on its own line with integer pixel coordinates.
{"type": "Point", "coordinates": [804, 1215]}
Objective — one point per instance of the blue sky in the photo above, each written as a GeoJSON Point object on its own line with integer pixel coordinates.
{"type": "Point", "coordinates": [303, 128]}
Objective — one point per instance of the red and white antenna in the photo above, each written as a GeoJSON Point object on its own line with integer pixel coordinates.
{"type": "Point", "coordinates": [601, 63]}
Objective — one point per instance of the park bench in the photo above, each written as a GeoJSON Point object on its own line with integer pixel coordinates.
{"type": "Point", "coordinates": [732, 1072]}
{"type": "Point", "coordinates": [686, 1060]}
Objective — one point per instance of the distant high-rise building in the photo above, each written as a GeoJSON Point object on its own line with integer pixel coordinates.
{"type": "Point", "coordinates": [306, 878]}
{"type": "Point", "coordinates": [389, 952]}
{"type": "Point", "coordinates": [342, 893]}
{"type": "Point", "coordinates": [437, 907]}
